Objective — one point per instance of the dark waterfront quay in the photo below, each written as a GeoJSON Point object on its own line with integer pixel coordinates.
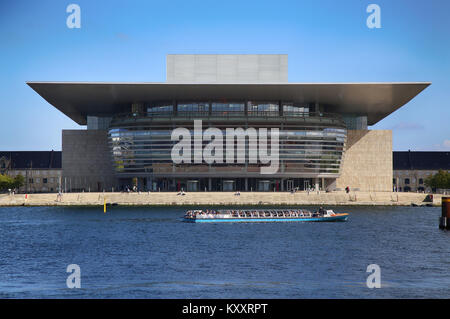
{"type": "Point", "coordinates": [144, 252]}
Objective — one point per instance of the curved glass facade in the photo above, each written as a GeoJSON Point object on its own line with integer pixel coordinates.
{"type": "Point", "coordinates": [311, 144]}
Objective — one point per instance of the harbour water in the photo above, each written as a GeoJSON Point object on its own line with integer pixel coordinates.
{"type": "Point", "coordinates": [144, 252]}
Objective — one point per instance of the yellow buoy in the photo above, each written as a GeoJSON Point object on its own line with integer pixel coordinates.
{"type": "Point", "coordinates": [104, 206]}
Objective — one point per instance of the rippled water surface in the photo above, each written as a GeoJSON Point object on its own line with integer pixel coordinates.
{"type": "Point", "coordinates": [149, 253]}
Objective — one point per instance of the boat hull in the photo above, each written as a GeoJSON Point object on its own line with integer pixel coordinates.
{"type": "Point", "coordinates": [336, 218]}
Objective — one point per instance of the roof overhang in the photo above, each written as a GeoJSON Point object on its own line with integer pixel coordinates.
{"type": "Point", "coordinates": [79, 99]}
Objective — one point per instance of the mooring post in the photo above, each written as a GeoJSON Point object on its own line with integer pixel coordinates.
{"type": "Point", "coordinates": [445, 218]}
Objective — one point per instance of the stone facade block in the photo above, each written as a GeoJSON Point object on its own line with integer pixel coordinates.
{"type": "Point", "coordinates": [86, 161]}
{"type": "Point", "coordinates": [367, 163]}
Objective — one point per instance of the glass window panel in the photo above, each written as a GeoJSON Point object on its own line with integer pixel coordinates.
{"type": "Point", "coordinates": [159, 109]}
{"type": "Point", "coordinates": [294, 110]}
{"type": "Point", "coordinates": [193, 107]}
{"type": "Point", "coordinates": [263, 108]}
{"type": "Point", "coordinates": [228, 108]}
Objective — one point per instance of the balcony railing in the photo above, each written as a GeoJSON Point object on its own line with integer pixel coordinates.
{"type": "Point", "coordinates": [223, 114]}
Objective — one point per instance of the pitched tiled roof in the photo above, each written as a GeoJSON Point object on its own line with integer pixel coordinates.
{"type": "Point", "coordinates": [33, 159]}
{"type": "Point", "coordinates": [421, 160]}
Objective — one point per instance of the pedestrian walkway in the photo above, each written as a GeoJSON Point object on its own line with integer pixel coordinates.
{"type": "Point", "coordinates": [219, 198]}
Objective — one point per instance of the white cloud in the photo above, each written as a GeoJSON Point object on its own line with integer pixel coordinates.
{"type": "Point", "coordinates": [444, 146]}
{"type": "Point", "coordinates": [407, 126]}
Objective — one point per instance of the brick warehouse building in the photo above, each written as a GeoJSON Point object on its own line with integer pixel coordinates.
{"type": "Point", "coordinates": [41, 169]}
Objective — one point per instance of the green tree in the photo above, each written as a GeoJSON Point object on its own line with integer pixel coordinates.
{"type": "Point", "coordinates": [439, 180]}
{"type": "Point", "coordinates": [6, 182]}
{"type": "Point", "coordinates": [18, 181]}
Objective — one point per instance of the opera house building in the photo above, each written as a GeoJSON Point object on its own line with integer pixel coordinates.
{"type": "Point", "coordinates": [322, 128]}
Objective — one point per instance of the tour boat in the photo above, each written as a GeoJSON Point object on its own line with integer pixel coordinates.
{"type": "Point", "coordinates": [263, 215]}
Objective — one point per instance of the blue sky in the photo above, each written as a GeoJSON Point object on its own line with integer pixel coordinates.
{"type": "Point", "coordinates": [326, 40]}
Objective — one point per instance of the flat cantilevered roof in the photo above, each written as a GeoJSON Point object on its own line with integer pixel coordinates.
{"type": "Point", "coordinates": [79, 99]}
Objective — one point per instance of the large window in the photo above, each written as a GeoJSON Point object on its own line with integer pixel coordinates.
{"type": "Point", "coordinates": [305, 145]}
{"type": "Point", "coordinates": [293, 110]}
{"type": "Point", "coordinates": [200, 107]}
{"type": "Point", "coordinates": [159, 109]}
{"type": "Point", "coordinates": [228, 108]}
{"type": "Point", "coordinates": [263, 108]}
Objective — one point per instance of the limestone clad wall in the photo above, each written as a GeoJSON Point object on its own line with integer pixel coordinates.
{"type": "Point", "coordinates": [86, 161]}
{"type": "Point", "coordinates": [367, 161]}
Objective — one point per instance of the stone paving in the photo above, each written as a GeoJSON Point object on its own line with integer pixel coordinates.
{"type": "Point", "coordinates": [220, 198]}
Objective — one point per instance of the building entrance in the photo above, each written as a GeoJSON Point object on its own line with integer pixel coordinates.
{"type": "Point", "coordinates": [306, 185]}
{"type": "Point", "coordinates": [289, 185]}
